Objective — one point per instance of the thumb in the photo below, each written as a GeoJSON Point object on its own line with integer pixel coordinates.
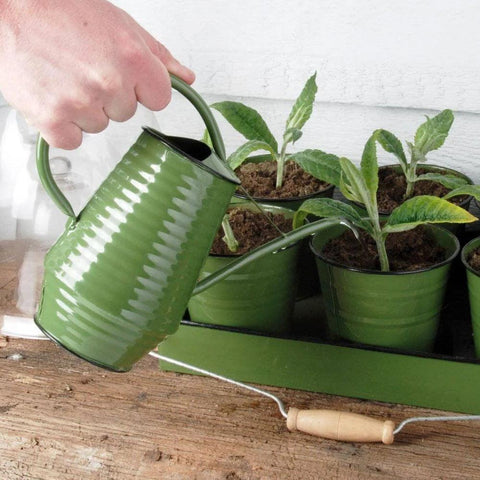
{"type": "Point", "coordinates": [170, 62]}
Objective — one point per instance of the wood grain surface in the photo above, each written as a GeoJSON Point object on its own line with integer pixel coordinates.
{"type": "Point", "coordinates": [61, 418]}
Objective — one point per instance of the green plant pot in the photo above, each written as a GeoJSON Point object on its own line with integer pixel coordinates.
{"type": "Point", "coordinates": [259, 296]}
{"type": "Point", "coordinates": [388, 309]}
{"type": "Point", "coordinates": [473, 281]}
{"type": "Point", "coordinates": [308, 283]}
{"type": "Point", "coordinates": [453, 227]}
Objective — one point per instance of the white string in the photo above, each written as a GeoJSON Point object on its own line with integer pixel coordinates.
{"type": "Point", "coordinates": [280, 404]}
{"type": "Point", "coordinates": [448, 418]}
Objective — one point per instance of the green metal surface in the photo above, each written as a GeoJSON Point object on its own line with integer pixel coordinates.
{"type": "Point", "coordinates": [354, 372]}
{"type": "Point", "coordinates": [473, 281]}
{"type": "Point", "coordinates": [260, 296]}
{"type": "Point", "coordinates": [389, 309]}
{"type": "Point", "coordinates": [119, 278]}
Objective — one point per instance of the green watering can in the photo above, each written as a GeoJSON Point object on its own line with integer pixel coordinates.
{"type": "Point", "coordinates": [118, 279]}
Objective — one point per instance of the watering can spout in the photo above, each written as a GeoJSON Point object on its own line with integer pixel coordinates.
{"type": "Point", "coordinates": [270, 247]}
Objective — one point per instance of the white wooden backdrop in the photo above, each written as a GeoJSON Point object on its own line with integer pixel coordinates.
{"type": "Point", "coordinates": [380, 64]}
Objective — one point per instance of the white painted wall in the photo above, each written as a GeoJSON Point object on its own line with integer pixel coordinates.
{"type": "Point", "coordinates": [379, 64]}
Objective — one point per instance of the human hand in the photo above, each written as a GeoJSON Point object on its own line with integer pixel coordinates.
{"type": "Point", "coordinates": [71, 66]}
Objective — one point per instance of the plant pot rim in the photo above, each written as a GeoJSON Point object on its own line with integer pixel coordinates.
{"type": "Point", "coordinates": [431, 167]}
{"type": "Point", "coordinates": [330, 186]}
{"type": "Point", "coordinates": [448, 260]}
{"type": "Point", "coordinates": [466, 247]}
{"type": "Point", "coordinates": [250, 206]}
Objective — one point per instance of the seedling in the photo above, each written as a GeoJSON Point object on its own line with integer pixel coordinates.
{"type": "Point", "coordinates": [229, 236]}
{"type": "Point", "coordinates": [360, 185]}
{"type": "Point", "coordinates": [431, 135]}
{"type": "Point", "coordinates": [253, 127]}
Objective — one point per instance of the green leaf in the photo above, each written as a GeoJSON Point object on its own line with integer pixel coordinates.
{"type": "Point", "coordinates": [391, 144]}
{"type": "Point", "coordinates": [321, 165]}
{"type": "Point", "coordinates": [328, 208]}
{"type": "Point", "coordinates": [352, 184]}
{"type": "Point", "coordinates": [425, 209]}
{"type": "Point", "coordinates": [246, 121]}
{"type": "Point", "coordinates": [206, 139]}
{"type": "Point", "coordinates": [449, 181]}
{"type": "Point", "coordinates": [243, 152]}
{"type": "Point", "coordinates": [416, 154]}
{"type": "Point", "coordinates": [473, 190]}
{"type": "Point", "coordinates": [292, 135]}
{"type": "Point", "coordinates": [432, 134]}
{"type": "Point", "coordinates": [369, 167]}
{"type": "Point", "coordinates": [303, 106]}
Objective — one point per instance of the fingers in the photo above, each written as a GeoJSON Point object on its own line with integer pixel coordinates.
{"type": "Point", "coordinates": [121, 107]}
{"type": "Point", "coordinates": [94, 121]}
{"type": "Point", "coordinates": [154, 89]}
{"type": "Point", "coordinates": [67, 136]}
{"type": "Point", "coordinates": [170, 62]}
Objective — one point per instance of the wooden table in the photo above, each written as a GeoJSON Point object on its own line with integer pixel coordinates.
{"type": "Point", "coordinates": [62, 418]}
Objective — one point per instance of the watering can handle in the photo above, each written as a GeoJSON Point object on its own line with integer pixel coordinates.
{"type": "Point", "coordinates": [43, 164]}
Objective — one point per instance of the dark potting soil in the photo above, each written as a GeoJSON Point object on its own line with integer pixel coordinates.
{"type": "Point", "coordinates": [259, 179]}
{"type": "Point", "coordinates": [392, 186]}
{"type": "Point", "coordinates": [474, 259]}
{"type": "Point", "coordinates": [251, 229]}
{"type": "Point", "coordinates": [407, 251]}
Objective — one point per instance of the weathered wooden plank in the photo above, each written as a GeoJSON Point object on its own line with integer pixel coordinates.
{"type": "Point", "coordinates": [62, 418]}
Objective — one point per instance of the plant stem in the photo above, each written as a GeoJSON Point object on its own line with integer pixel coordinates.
{"type": "Point", "coordinates": [280, 166]}
{"type": "Point", "coordinates": [382, 253]}
{"type": "Point", "coordinates": [229, 237]}
{"type": "Point", "coordinates": [378, 236]}
{"type": "Point", "coordinates": [409, 190]}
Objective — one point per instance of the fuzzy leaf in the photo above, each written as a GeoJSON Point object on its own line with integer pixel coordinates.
{"type": "Point", "coordinates": [292, 135]}
{"type": "Point", "coordinates": [246, 121]}
{"type": "Point", "coordinates": [321, 165]}
{"type": "Point", "coordinates": [425, 209]}
{"type": "Point", "coordinates": [473, 190]}
{"type": "Point", "coordinates": [352, 184]}
{"type": "Point", "coordinates": [391, 144]}
{"type": "Point", "coordinates": [432, 134]}
{"type": "Point", "coordinates": [303, 106]}
{"type": "Point", "coordinates": [243, 152]}
{"type": "Point", "coordinates": [449, 181]}
{"type": "Point", "coordinates": [369, 167]}
{"type": "Point", "coordinates": [328, 208]}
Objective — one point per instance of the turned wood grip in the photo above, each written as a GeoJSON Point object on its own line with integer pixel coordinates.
{"type": "Point", "coordinates": [343, 426]}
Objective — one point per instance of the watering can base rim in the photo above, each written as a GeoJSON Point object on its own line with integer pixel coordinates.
{"type": "Point", "coordinates": [83, 357]}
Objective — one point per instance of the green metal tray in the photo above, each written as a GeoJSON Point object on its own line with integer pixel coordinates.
{"type": "Point", "coordinates": [446, 380]}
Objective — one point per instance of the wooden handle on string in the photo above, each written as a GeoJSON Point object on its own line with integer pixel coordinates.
{"type": "Point", "coordinates": [343, 426]}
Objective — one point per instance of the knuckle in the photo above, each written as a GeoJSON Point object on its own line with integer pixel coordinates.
{"type": "Point", "coordinates": [133, 53]}
{"type": "Point", "coordinates": [111, 85]}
